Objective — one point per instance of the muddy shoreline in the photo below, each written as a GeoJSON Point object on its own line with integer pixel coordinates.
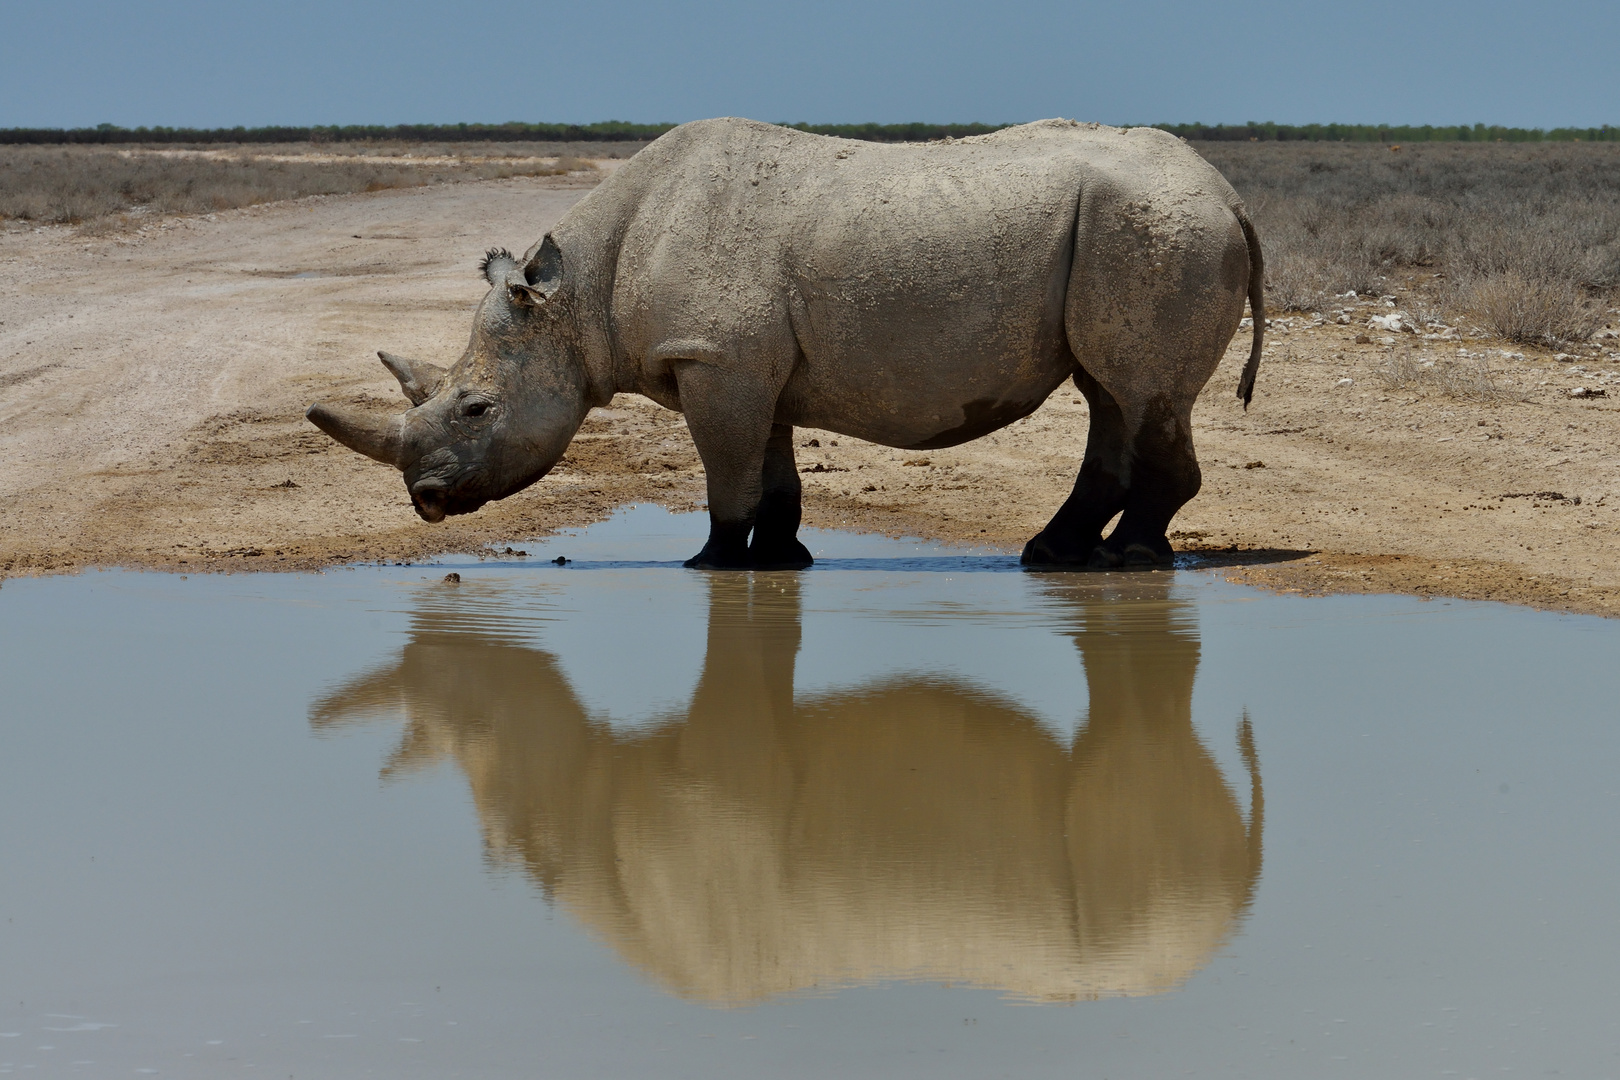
{"type": "Point", "coordinates": [152, 386]}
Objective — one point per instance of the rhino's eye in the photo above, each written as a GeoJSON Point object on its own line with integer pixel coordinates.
{"type": "Point", "coordinates": [475, 408]}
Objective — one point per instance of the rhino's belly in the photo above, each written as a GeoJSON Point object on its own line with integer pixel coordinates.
{"type": "Point", "coordinates": [920, 412]}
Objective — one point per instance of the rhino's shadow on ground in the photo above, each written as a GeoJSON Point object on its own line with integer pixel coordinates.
{"type": "Point", "coordinates": [1200, 558]}
{"type": "Point", "coordinates": [761, 842]}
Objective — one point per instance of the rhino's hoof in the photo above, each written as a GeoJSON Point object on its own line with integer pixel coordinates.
{"type": "Point", "coordinates": [1135, 555]}
{"type": "Point", "coordinates": [782, 555]}
{"type": "Point", "coordinates": [1040, 554]}
{"type": "Point", "coordinates": [699, 562]}
{"type": "Point", "coordinates": [1141, 555]}
{"type": "Point", "coordinates": [709, 559]}
{"type": "Point", "coordinates": [1104, 557]}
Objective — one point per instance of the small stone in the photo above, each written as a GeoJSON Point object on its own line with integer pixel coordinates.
{"type": "Point", "coordinates": [561, 561]}
{"type": "Point", "coordinates": [452, 578]}
{"type": "Point", "coordinates": [1345, 382]}
{"type": "Point", "coordinates": [1363, 339]}
{"type": "Point", "coordinates": [1255, 465]}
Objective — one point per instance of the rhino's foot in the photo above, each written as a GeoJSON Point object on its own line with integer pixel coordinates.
{"type": "Point", "coordinates": [784, 553]}
{"type": "Point", "coordinates": [1044, 552]}
{"type": "Point", "coordinates": [1134, 555]}
{"type": "Point", "coordinates": [707, 560]}
{"type": "Point", "coordinates": [727, 549]}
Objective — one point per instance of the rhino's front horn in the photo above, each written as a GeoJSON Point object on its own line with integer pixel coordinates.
{"type": "Point", "coordinates": [382, 438]}
{"type": "Point", "coordinates": [416, 377]}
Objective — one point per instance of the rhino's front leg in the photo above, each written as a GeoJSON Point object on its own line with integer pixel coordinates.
{"type": "Point", "coordinates": [730, 421]}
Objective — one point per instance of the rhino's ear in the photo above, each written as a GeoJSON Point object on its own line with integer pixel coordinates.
{"type": "Point", "coordinates": [544, 268]}
{"type": "Point", "coordinates": [496, 264]}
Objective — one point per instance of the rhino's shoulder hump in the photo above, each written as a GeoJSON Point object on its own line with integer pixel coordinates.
{"type": "Point", "coordinates": [1055, 127]}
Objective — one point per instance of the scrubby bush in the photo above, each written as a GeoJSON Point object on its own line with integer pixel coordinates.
{"type": "Point", "coordinates": [1533, 310]}
{"type": "Point", "coordinates": [1527, 235]}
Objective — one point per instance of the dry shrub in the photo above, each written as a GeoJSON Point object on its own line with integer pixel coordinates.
{"type": "Point", "coordinates": [1469, 378]}
{"type": "Point", "coordinates": [1340, 216]}
{"type": "Point", "coordinates": [1535, 311]}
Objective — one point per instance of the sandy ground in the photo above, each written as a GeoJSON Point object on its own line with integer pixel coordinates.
{"type": "Point", "coordinates": [152, 387]}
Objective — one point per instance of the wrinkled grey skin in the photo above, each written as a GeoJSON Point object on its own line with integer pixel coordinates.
{"type": "Point", "coordinates": [918, 296]}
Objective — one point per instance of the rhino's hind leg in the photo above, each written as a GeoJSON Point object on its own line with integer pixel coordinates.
{"type": "Point", "coordinates": [776, 545]}
{"type": "Point", "coordinates": [1073, 537]}
{"type": "Point", "coordinates": [1164, 477]}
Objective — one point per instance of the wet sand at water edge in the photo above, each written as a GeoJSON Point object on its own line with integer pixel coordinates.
{"type": "Point", "coordinates": [152, 388]}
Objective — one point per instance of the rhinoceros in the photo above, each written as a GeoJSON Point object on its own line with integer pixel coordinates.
{"type": "Point", "coordinates": [756, 278]}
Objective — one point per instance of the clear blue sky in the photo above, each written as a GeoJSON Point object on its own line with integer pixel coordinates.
{"type": "Point", "coordinates": [188, 63]}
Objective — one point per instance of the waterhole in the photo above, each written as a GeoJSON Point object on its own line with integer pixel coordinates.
{"type": "Point", "coordinates": [910, 813]}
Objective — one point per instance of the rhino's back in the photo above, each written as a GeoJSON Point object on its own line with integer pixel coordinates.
{"type": "Point", "coordinates": [920, 287]}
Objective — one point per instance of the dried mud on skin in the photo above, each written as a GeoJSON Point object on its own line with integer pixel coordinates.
{"type": "Point", "coordinates": [159, 425]}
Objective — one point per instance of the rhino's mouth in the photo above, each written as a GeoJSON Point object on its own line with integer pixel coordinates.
{"type": "Point", "coordinates": [434, 501]}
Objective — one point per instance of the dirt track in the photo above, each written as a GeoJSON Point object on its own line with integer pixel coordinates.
{"type": "Point", "coordinates": [152, 390]}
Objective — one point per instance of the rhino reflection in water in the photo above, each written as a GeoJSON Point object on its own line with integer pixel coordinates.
{"type": "Point", "coordinates": [914, 827]}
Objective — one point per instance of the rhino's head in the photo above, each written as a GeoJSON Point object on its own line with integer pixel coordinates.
{"type": "Point", "coordinates": [497, 420]}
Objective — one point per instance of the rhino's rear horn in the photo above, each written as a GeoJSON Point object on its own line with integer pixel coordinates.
{"type": "Point", "coordinates": [417, 378]}
{"type": "Point", "coordinates": [379, 437]}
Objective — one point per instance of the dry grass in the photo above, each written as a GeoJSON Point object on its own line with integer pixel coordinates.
{"type": "Point", "coordinates": [1526, 237]}
{"type": "Point", "coordinates": [1468, 378]}
{"type": "Point", "coordinates": [92, 184]}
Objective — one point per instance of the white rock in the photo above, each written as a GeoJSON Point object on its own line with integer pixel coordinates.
{"type": "Point", "coordinates": [1345, 382]}
{"type": "Point", "coordinates": [1396, 323]}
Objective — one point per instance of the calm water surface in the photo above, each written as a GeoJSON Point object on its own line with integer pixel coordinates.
{"type": "Point", "coordinates": [911, 813]}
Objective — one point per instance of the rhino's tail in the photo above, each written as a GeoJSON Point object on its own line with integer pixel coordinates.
{"type": "Point", "coordinates": [1257, 307]}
